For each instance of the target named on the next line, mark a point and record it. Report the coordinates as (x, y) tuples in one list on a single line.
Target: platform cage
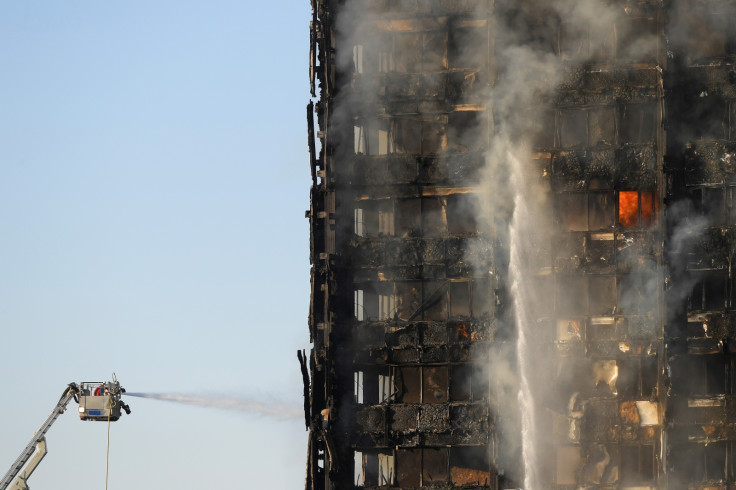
[(99, 400)]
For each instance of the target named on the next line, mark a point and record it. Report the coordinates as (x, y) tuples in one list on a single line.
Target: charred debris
[(411, 305)]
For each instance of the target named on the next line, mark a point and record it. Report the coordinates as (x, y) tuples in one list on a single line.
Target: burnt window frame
[(413, 380), (629, 131), (604, 221), (700, 297), (640, 463), (642, 221), (374, 301), (577, 306), (468, 383), (587, 113), (371, 457)]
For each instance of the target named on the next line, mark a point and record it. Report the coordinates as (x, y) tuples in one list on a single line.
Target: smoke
[(267, 407), (536, 63), (520, 61)]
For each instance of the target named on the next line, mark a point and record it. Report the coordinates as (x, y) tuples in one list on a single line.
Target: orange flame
[(628, 204), (648, 207)]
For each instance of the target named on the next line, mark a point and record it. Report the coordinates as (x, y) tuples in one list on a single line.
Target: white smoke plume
[(267, 406)]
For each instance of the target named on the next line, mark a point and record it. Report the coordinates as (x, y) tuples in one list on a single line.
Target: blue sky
[(153, 182)]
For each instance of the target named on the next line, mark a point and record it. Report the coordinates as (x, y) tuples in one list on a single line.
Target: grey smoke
[(268, 406)]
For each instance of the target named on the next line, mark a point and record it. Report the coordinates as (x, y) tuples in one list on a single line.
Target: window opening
[(358, 58), (636, 208), (358, 386), (359, 305), (359, 223)]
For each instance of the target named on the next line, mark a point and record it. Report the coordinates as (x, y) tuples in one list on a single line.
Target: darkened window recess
[(408, 298), (601, 126), (442, 300), (637, 39), (572, 295), (710, 293), (710, 202), (416, 53), (546, 301), (461, 210), (637, 377), (409, 384), (459, 299), (374, 301), (358, 58), (636, 464), (732, 119), (434, 465), (359, 387), (586, 211), (408, 217), (537, 27), (458, 54), (586, 295), (467, 131), (567, 462), (420, 136), (602, 41), (374, 467), (434, 52), (374, 218), (408, 137), (408, 467), (375, 57), (635, 298), (574, 44), (573, 128), (419, 384), (434, 218), (596, 41), (636, 208), (709, 118), (699, 375), (481, 302), (373, 385), (708, 33), (468, 383), (695, 462), (543, 129), (638, 123), (408, 52), (435, 301), (373, 137), (435, 384), (587, 127), (602, 295), (470, 465)]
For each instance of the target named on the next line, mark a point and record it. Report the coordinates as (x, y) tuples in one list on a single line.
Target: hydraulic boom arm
[(71, 392)]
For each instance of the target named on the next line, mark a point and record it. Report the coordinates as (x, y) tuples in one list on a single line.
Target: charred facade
[(522, 222)]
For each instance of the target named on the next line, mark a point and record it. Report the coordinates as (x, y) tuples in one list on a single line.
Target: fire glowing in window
[(636, 208)]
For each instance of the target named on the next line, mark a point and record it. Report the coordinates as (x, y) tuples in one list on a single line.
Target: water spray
[(268, 407)]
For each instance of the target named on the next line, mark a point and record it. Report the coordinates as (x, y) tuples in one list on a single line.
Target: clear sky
[(154, 178)]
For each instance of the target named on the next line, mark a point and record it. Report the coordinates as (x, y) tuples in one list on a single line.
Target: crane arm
[(70, 393), (20, 482)]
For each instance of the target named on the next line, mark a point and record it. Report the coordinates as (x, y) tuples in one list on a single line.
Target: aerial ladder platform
[(97, 401)]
